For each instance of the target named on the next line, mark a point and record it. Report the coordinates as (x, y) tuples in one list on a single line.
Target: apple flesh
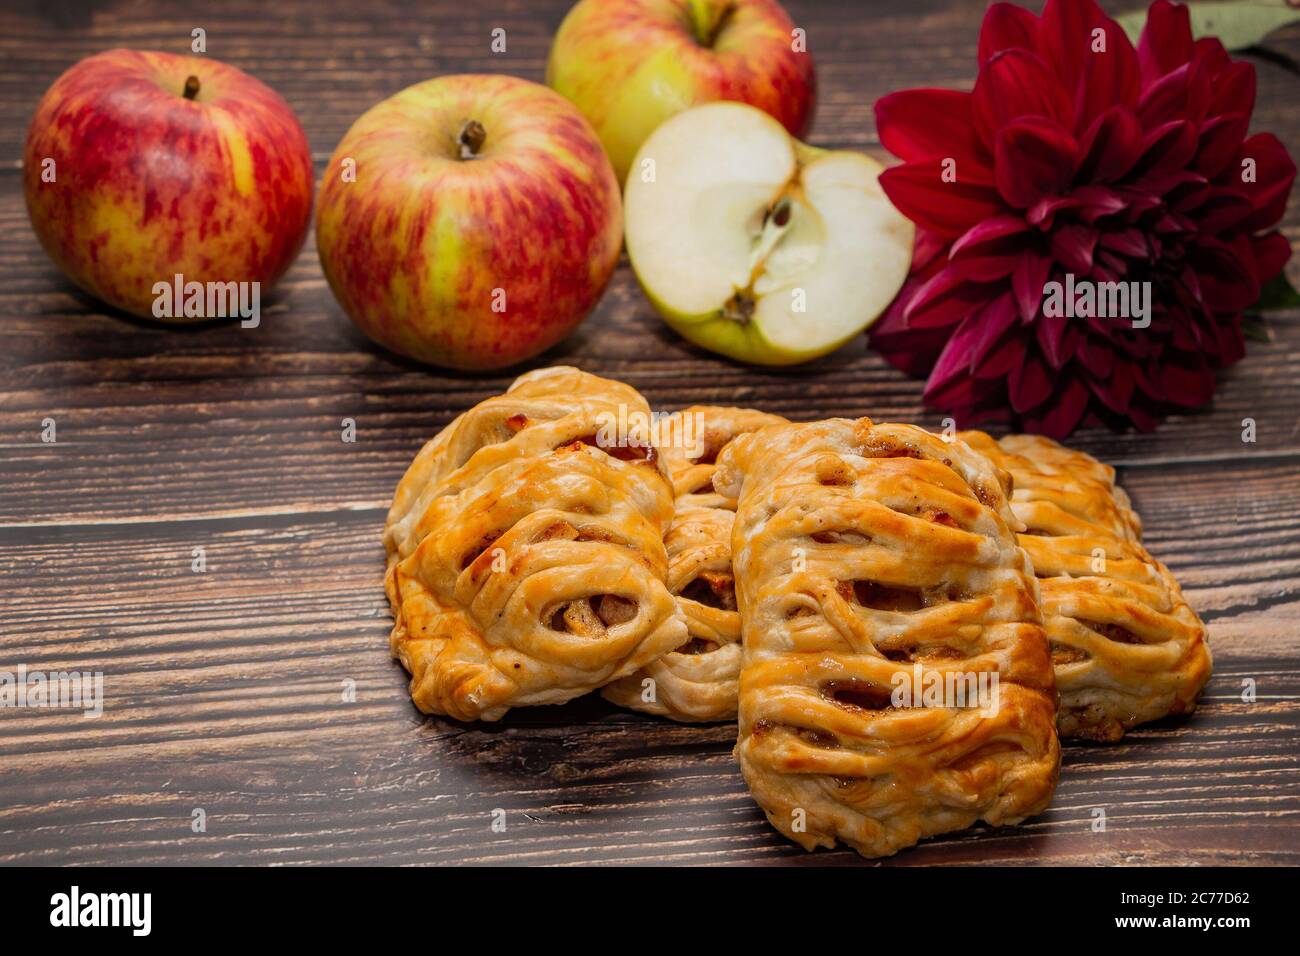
[(754, 245), (469, 221), (631, 64), (140, 166)]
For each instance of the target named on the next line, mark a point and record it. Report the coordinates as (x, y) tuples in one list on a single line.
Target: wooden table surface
[(225, 688)]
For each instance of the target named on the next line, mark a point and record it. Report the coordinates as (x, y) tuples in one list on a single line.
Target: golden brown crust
[(866, 554), (1126, 646), (697, 682), (526, 562)]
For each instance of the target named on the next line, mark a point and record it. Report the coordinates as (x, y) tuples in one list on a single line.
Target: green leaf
[(1236, 24), (1277, 293), (1256, 329)]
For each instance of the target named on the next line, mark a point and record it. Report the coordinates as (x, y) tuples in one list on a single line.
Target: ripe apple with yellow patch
[(469, 221), (757, 246), (142, 166), (631, 64)]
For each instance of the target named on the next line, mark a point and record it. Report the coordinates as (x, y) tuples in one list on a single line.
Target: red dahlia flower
[(1076, 155)]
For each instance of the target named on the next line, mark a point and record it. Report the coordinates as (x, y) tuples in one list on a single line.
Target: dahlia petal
[(1027, 283), (1072, 246), (914, 363), (1183, 94), (1274, 173), (1175, 187), (1096, 355), (1220, 140), (1232, 343), (1028, 384), (959, 355), (1227, 283), (1189, 385), (1233, 88), (1191, 194), (992, 323), (1110, 147), (976, 240), (944, 301), (1211, 52), (1191, 288), (1006, 26), (1166, 41), (1110, 78), (1114, 389), (906, 349), (1168, 146), (963, 399), (1065, 35), (924, 123), (918, 191), (1043, 213), (1096, 202), (1138, 203), (892, 327), (1016, 83), (1050, 332), (929, 249), (1127, 242), (1034, 160), (1098, 79), (1062, 415), (1185, 333), (1271, 254), (991, 250), (1107, 267), (1223, 213), (953, 362), (1004, 355), (1142, 420)]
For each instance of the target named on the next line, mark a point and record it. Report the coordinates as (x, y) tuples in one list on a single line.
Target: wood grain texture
[(225, 688)]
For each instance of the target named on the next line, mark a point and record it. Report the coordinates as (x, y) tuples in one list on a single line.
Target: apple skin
[(416, 247), (631, 64), (149, 184)]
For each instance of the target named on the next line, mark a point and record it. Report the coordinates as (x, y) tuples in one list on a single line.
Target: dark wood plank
[(225, 688)]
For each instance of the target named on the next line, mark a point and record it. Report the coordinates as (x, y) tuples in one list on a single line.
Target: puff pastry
[(865, 555), (526, 562), (1126, 646), (697, 682)]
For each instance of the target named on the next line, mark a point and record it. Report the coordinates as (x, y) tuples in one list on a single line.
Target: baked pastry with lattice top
[(873, 562), (526, 562), (697, 681), (1126, 646)]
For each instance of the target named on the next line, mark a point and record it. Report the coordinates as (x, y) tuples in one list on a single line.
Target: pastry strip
[(1126, 646), (866, 555), (526, 562), (697, 681)]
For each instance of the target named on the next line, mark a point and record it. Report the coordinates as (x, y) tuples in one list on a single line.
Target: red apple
[(143, 166), (469, 221), (631, 64)]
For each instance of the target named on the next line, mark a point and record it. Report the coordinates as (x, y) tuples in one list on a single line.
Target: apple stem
[(708, 18), (471, 138), (191, 87)]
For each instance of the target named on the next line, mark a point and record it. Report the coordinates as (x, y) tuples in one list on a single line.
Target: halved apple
[(754, 245)]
